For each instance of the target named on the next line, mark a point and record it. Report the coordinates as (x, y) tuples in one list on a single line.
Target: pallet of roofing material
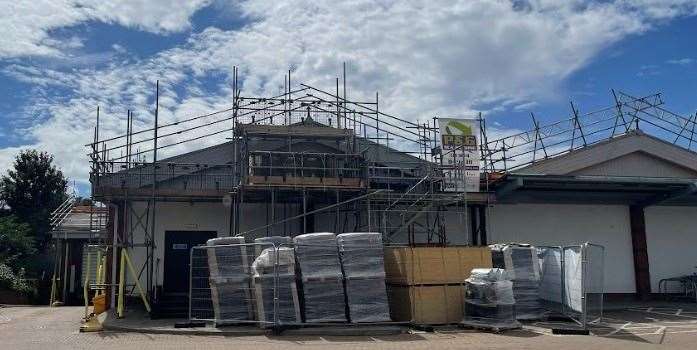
[(488, 301), (362, 262), (322, 280), (262, 243), (523, 266), (230, 280), (275, 289)]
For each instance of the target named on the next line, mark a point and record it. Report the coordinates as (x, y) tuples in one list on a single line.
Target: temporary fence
[(337, 280), (572, 281), (351, 279)]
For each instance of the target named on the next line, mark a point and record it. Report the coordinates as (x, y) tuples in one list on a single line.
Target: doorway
[(178, 246)]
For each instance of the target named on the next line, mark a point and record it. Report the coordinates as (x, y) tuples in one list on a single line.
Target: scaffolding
[(366, 170)]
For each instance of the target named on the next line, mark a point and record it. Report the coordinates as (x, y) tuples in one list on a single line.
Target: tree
[(16, 249), (32, 189), (16, 243)]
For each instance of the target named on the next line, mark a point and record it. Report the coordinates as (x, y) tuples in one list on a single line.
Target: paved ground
[(664, 327)]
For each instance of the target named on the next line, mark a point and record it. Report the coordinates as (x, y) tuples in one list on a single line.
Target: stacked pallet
[(362, 261), (321, 276), (523, 266), (489, 301), (425, 284), (230, 280), (275, 289)]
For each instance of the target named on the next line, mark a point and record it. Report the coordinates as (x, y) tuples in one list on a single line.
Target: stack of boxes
[(425, 284), (523, 266), (275, 288), (230, 279), (321, 277), (364, 276)]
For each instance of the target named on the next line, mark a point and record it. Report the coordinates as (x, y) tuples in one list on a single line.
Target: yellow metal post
[(85, 291), (135, 277), (122, 283), (98, 277)]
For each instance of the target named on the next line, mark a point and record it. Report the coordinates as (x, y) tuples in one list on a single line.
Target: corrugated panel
[(93, 262)]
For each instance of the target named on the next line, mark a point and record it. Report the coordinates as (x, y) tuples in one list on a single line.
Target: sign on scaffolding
[(460, 155)]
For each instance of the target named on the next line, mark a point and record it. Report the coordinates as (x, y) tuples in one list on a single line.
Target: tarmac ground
[(664, 326)]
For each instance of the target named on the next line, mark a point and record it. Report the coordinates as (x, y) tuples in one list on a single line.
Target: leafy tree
[(32, 189), (16, 248), (16, 243)]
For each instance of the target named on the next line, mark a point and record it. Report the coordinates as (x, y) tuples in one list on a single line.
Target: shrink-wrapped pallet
[(275, 288), (488, 300), (361, 255), (322, 280), (523, 266), (230, 278)]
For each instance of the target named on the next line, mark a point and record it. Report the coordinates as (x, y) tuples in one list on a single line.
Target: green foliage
[(13, 281), (16, 242), (32, 189)]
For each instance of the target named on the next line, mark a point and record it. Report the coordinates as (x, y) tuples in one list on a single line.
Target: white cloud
[(681, 61), (425, 57), (27, 24)]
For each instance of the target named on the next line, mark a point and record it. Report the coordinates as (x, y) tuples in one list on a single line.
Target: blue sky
[(60, 59)]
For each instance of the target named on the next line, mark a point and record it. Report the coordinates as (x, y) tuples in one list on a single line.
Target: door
[(178, 245)]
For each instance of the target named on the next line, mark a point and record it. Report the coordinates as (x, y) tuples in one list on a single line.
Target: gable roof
[(633, 154)]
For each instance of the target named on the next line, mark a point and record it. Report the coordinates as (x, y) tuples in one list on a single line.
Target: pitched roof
[(633, 154)]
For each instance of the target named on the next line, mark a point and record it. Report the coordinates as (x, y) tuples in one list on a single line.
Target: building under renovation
[(310, 160)]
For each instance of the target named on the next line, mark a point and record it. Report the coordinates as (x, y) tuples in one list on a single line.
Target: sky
[(60, 59)]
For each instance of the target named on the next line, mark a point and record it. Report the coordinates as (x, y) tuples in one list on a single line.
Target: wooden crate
[(409, 266), (426, 305)]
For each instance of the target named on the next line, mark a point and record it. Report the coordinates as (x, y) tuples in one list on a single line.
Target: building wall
[(181, 216), (547, 224), (671, 237)]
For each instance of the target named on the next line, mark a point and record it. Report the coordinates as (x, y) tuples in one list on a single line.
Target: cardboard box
[(426, 304), (409, 266)]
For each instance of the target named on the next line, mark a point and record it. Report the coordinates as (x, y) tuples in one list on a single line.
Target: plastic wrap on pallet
[(274, 279), (362, 254), (262, 243), (489, 301), (367, 300), (523, 267), (270, 259), (282, 288), (230, 278), (362, 261), (550, 274), (324, 300), (317, 255), (229, 259), (322, 280)]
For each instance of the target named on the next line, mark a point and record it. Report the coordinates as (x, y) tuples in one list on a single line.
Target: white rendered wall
[(548, 224), (198, 216), (671, 239)]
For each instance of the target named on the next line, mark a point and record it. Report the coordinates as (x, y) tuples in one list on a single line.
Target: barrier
[(312, 281), (572, 281)]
